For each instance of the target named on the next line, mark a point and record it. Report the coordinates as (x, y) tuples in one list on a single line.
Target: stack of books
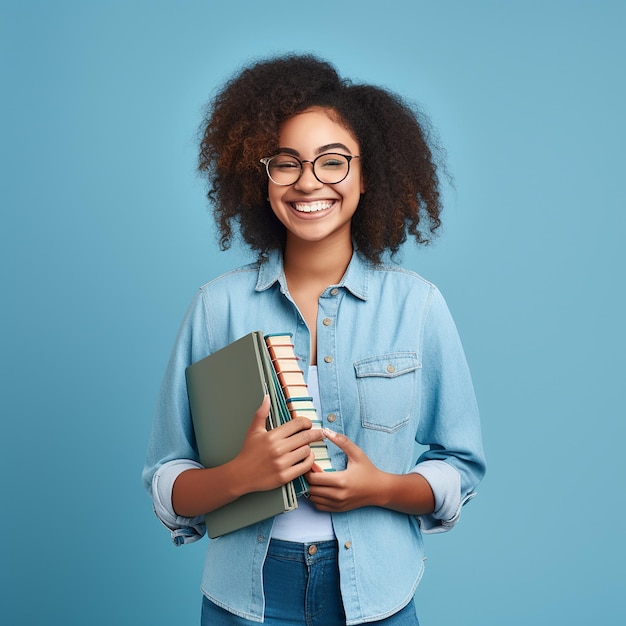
[(225, 389)]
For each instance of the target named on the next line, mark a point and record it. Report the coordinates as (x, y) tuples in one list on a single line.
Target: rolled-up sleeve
[(445, 483), (182, 529)]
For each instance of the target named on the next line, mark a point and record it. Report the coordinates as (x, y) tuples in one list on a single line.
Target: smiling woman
[(315, 206), (398, 157), (323, 178)]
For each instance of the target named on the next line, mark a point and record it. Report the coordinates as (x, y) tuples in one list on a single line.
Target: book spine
[(296, 393)]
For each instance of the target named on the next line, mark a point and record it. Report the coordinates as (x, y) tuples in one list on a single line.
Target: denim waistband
[(303, 552)]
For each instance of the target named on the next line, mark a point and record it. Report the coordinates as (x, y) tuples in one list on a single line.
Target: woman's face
[(309, 209)]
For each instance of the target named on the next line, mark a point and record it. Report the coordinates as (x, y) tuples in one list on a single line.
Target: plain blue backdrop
[(106, 234)]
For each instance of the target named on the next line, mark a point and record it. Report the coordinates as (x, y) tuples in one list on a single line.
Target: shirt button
[(347, 545), (327, 321), (328, 359), (334, 291), (332, 417), (391, 369), (312, 550)]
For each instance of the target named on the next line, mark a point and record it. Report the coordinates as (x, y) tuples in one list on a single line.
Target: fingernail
[(328, 433)]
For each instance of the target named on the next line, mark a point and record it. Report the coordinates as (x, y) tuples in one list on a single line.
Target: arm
[(181, 490), (449, 422)]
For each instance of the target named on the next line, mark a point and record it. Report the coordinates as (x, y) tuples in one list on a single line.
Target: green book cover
[(225, 389)]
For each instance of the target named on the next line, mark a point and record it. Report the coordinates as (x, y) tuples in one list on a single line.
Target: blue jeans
[(303, 589)]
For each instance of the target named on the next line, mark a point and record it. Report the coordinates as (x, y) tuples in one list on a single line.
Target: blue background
[(106, 234)]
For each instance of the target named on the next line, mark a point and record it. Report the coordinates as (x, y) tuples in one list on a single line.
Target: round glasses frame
[(348, 157)]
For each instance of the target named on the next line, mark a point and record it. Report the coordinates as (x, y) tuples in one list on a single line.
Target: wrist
[(234, 478), (406, 493), (383, 492)]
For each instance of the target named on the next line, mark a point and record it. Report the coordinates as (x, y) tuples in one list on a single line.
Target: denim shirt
[(391, 372)]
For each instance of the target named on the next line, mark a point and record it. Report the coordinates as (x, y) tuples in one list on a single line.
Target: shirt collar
[(355, 279)]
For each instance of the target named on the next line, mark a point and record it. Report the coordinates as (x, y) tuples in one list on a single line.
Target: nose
[(307, 181)]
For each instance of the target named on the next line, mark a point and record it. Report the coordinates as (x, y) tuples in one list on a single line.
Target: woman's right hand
[(269, 459)]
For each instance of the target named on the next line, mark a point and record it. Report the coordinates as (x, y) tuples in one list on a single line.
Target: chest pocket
[(387, 386)]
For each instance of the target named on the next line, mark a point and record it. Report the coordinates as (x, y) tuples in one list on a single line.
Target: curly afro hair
[(242, 125)]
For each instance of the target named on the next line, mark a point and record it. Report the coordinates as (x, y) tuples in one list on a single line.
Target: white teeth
[(312, 207)]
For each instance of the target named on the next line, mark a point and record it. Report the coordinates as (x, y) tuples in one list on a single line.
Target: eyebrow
[(320, 150)]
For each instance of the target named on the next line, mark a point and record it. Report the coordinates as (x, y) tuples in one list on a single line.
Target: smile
[(312, 207)]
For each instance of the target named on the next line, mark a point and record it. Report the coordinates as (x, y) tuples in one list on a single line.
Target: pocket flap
[(387, 365)]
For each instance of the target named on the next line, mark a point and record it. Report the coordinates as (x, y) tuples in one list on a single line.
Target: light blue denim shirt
[(391, 372)]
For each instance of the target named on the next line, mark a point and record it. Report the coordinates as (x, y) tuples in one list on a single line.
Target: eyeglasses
[(330, 168)]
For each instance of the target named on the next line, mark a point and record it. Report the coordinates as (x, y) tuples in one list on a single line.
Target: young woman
[(324, 179)]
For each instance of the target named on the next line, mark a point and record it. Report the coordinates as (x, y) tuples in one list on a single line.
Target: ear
[(362, 184)]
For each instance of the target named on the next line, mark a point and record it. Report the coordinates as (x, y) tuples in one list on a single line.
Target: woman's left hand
[(360, 484)]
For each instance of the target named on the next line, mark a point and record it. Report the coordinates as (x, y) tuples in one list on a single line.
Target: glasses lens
[(284, 169), (331, 168)]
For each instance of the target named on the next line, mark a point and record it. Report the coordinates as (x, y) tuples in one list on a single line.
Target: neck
[(321, 262)]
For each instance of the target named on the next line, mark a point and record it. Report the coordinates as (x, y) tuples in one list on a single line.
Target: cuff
[(445, 481), (182, 529)]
